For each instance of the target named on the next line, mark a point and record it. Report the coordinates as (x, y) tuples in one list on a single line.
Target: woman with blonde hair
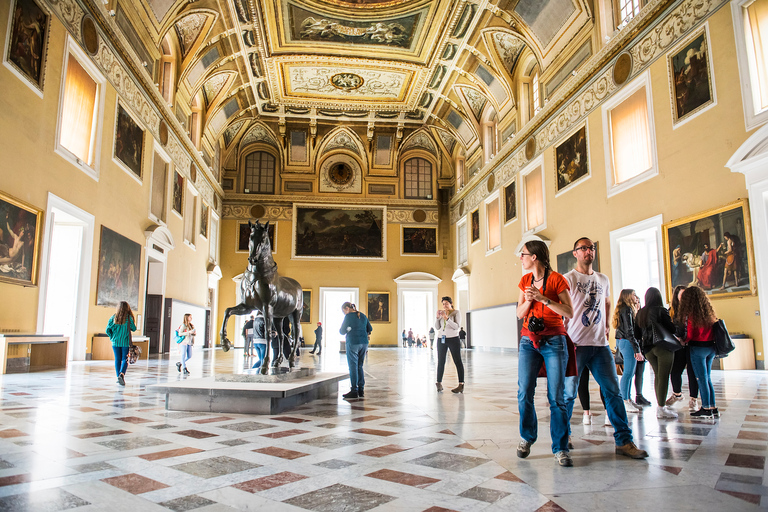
[(699, 316), (626, 342), (185, 338), (119, 330)]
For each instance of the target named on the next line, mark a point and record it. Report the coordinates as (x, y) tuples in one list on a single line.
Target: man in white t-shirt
[(590, 293)]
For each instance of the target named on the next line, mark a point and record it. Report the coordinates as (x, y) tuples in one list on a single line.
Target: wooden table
[(743, 356), (101, 347), (22, 353)]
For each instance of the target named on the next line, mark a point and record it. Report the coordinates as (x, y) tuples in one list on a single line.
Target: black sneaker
[(178, 367), (640, 400), (121, 379), (351, 394), (360, 393), (715, 413), (523, 449), (186, 372), (703, 413)]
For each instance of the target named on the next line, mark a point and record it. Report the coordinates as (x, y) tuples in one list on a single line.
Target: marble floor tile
[(383, 451), (449, 461), (134, 484), (195, 434), (187, 503), (399, 477), (169, 453), (335, 464), (268, 482), (132, 443), (484, 494), (331, 442), (281, 452), (340, 497), (285, 433), (246, 426), (746, 461), (41, 500), (215, 466)]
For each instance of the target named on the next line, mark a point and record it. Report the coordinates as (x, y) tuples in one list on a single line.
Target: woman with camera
[(447, 323), (542, 303)]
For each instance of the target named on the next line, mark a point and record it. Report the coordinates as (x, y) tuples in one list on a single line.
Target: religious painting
[(26, 44), (419, 240), (510, 202), (712, 250), (178, 193), (20, 235), (475, 225), (571, 159), (346, 232), (129, 141), (567, 261), (204, 220), (306, 309), (378, 307), (244, 235), (690, 74), (119, 267)]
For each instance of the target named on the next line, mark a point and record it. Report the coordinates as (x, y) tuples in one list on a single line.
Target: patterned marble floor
[(75, 440)]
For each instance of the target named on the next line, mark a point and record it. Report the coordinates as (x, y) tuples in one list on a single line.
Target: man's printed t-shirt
[(588, 295)]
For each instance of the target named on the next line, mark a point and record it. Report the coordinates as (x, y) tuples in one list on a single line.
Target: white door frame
[(328, 329), (78, 344), (654, 222), (418, 282)]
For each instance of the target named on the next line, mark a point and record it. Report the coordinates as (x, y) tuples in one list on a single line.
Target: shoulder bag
[(134, 352), (723, 343), (663, 338)]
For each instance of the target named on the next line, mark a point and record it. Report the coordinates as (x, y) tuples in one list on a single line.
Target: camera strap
[(543, 289)]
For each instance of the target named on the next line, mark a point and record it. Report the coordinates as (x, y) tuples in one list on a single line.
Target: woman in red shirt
[(699, 316), (542, 303)]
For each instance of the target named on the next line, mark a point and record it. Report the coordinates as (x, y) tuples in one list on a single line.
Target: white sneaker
[(665, 413), (631, 406), (607, 420), (586, 419), (693, 404), (673, 399)]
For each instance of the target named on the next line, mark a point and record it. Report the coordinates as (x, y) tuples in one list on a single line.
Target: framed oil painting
[(419, 240), (378, 307), (567, 261), (571, 159), (712, 250), (129, 142), (510, 202), (346, 232), (475, 225), (119, 267), (178, 193), (690, 77), (26, 42), (306, 309), (244, 234), (20, 226), (203, 219)]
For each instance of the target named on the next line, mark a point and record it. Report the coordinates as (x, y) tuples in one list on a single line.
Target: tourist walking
[(431, 337), (185, 338), (447, 324), (357, 329), (119, 330), (318, 339), (259, 336)]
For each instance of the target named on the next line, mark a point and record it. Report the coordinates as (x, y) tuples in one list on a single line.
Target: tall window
[(159, 187), (460, 179), (757, 46), (626, 10), (259, 173), (418, 178), (213, 245), (493, 219), (535, 100), (534, 200), (190, 217), (461, 241), (167, 75), (750, 26)]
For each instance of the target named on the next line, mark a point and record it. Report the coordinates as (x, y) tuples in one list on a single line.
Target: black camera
[(535, 324)]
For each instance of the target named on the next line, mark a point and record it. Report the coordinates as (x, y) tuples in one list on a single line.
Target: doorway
[(153, 304), (636, 257), (331, 315), (417, 312)]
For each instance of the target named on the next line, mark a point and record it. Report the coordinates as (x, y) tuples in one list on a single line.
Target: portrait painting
[(378, 307), (129, 141), (712, 250), (475, 225), (26, 44), (571, 159), (420, 240), (204, 219), (20, 225), (178, 193), (349, 232), (510, 202), (119, 267), (244, 234), (690, 74), (567, 261), (306, 309)]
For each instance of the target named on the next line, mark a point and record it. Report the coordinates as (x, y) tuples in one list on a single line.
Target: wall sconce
[(429, 196)]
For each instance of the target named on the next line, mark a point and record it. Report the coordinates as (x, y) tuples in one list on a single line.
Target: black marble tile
[(340, 497), (335, 464), (48, 500), (246, 426), (483, 494), (449, 461)]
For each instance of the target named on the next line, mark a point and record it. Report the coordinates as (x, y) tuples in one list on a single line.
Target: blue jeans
[(600, 362), (261, 350), (186, 354), (630, 363), (355, 360), (121, 359), (554, 355), (701, 359)]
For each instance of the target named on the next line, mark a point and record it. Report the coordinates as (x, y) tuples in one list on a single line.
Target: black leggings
[(584, 390), (639, 370), (442, 350), (683, 360)]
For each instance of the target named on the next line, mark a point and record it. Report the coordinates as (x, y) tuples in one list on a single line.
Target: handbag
[(665, 339), (177, 337), (618, 357), (723, 343), (133, 350)]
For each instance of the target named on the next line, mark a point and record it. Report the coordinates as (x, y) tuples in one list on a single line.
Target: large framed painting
[(378, 307), (510, 202), (119, 267), (19, 241), (571, 160), (336, 231), (475, 225), (178, 192), (419, 240), (690, 77), (712, 250), (244, 235), (129, 142), (567, 261), (27, 40), (204, 219), (306, 309)]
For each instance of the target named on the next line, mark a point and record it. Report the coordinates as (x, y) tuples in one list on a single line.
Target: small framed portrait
[(571, 160), (690, 77), (20, 234), (510, 202), (244, 235), (378, 307), (475, 225), (567, 261), (129, 142), (27, 41), (204, 219), (119, 268), (306, 309), (419, 240), (178, 193)]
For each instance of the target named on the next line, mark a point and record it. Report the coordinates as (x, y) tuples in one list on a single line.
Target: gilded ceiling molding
[(259, 133), (213, 86), (475, 99), (243, 211), (449, 142), (189, 29), (419, 140), (508, 48)]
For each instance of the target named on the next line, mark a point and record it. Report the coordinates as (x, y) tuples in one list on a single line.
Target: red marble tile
[(196, 434), (550, 506), (374, 432), (102, 434), (134, 419), (15, 479), (363, 408), (757, 419), (439, 509), (268, 482), (756, 436), (383, 451), (72, 454), (87, 409), (594, 442), (403, 478), (746, 461), (465, 445), (169, 453), (290, 419), (671, 469), (446, 431), (679, 440), (134, 484), (211, 420), (280, 452), (19, 393), (284, 433), (369, 417), (509, 476), (11, 432), (750, 498)]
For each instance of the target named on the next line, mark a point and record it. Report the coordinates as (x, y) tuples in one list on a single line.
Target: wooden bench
[(22, 353), (101, 347)]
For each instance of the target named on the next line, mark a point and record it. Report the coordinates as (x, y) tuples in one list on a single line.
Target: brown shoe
[(458, 389), (439, 387), (631, 451)]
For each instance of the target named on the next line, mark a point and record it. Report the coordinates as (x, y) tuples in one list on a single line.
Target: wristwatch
[(547, 302)]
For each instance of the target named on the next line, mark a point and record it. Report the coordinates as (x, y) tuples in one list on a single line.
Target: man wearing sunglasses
[(590, 293)]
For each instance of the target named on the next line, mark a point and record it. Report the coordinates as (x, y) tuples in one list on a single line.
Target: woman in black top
[(682, 358), (626, 342)]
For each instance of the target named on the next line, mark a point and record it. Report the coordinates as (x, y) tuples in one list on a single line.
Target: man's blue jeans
[(630, 365), (261, 351), (355, 360), (553, 353), (600, 362), (701, 360)]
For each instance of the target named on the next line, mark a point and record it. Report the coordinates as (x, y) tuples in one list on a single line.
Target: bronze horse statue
[(262, 288)]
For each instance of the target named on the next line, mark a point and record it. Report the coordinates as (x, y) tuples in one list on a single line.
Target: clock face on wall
[(340, 174)]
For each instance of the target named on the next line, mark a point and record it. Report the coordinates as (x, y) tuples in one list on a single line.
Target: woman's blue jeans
[(630, 364), (186, 354), (121, 359), (355, 360), (553, 353), (701, 359)]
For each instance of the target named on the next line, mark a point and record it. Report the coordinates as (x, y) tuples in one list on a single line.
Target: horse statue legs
[(295, 319), (240, 309)]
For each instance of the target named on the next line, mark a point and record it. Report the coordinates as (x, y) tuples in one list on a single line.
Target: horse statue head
[(258, 241)]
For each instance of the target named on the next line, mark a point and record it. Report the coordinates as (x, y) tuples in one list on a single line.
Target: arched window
[(418, 179), (195, 121), (167, 71), (259, 173)]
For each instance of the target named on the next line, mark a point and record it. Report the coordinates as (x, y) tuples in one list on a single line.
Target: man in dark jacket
[(248, 337), (318, 339)]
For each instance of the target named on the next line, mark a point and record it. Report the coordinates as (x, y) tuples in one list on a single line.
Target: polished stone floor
[(75, 440)]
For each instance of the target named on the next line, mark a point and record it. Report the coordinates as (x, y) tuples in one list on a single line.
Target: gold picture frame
[(20, 236), (378, 307)]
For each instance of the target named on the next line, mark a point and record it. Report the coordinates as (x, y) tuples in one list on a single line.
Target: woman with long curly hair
[(118, 329), (682, 359), (626, 342), (698, 316)]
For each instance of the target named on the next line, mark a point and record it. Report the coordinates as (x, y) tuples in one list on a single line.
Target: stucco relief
[(342, 140), (509, 48), (419, 140), (71, 13), (446, 138), (341, 173), (317, 81), (258, 133), (213, 85), (243, 211), (402, 216), (475, 100), (188, 29), (231, 131)]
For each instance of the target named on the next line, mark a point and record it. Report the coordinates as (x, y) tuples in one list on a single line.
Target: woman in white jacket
[(447, 325)]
